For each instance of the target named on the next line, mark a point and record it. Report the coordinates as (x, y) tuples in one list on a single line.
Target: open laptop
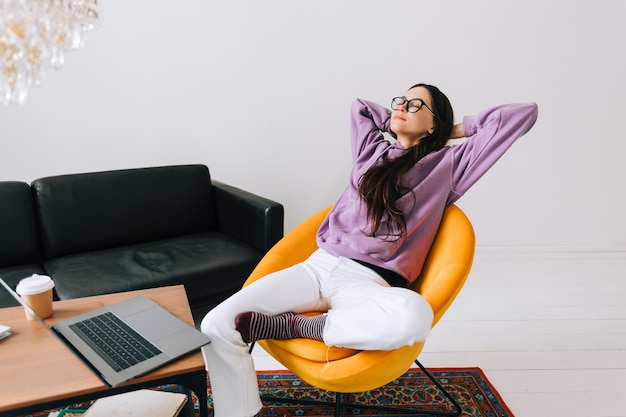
[(124, 340)]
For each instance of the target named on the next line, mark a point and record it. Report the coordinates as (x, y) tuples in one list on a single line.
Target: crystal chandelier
[(34, 35)]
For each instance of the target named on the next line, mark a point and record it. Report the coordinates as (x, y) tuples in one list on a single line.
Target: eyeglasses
[(412, 106)]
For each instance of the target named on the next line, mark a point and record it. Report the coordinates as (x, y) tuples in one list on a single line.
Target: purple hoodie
[(436, 181)]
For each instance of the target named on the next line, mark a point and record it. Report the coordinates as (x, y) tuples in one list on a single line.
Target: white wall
[(260, 92)]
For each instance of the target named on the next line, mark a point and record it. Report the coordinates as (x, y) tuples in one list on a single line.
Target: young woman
[(372, 245)]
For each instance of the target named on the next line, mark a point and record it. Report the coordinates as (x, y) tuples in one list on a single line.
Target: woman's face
[(411, 127)]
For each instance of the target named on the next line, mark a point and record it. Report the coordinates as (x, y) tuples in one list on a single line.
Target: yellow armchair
[(347, 370)]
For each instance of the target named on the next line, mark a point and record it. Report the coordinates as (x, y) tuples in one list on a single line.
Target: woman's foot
[(255, 326)]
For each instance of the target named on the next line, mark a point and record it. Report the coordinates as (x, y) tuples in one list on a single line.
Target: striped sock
[(310, 327), (255, 326)]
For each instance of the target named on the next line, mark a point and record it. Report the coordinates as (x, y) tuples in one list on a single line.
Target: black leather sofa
[(105, 232)]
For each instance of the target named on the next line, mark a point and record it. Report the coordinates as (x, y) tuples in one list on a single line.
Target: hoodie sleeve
[(489, 134), (368, 122)]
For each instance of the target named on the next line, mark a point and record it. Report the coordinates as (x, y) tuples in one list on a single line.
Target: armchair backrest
[(448, 262), (296, 246), (445, 270)]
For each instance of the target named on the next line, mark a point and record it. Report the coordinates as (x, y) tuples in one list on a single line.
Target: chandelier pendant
[(34, 36)]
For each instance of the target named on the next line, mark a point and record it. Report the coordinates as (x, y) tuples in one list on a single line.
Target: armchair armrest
[(248, 217)]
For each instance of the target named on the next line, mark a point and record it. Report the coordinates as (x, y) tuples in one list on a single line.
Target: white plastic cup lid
[(34, 285)]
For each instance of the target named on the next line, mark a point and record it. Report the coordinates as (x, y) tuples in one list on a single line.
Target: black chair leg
[(454, 402), (339, 411), (341, 405), (416, 411)]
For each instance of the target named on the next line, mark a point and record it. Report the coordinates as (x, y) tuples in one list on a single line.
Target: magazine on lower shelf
[(141, 403)]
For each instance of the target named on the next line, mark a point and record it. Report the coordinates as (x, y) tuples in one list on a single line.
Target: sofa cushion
[(204, 262), (93, 211), (19, 230)]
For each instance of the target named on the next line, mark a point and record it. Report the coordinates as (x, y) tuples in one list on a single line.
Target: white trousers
[(364, 313)]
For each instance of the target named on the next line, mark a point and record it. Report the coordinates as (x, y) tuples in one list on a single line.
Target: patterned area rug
[(468, 386)]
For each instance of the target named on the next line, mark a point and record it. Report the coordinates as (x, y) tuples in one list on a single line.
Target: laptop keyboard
[(115, 341)]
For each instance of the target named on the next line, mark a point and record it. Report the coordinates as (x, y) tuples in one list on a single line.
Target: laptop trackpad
[(155, 323)]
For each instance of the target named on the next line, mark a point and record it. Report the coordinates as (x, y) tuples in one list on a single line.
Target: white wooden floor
[(547, 328)]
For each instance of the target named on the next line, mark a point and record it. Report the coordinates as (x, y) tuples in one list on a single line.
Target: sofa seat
[(205, 262)]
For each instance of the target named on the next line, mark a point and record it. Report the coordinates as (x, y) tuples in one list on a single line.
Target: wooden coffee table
[(39, 372)]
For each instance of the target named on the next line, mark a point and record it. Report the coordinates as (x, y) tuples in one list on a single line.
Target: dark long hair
[(380, 185)]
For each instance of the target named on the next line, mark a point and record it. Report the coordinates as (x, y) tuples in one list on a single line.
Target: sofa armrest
[(248, 217)]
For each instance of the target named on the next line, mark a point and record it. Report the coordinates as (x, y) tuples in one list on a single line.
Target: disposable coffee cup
[(36, 291)]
